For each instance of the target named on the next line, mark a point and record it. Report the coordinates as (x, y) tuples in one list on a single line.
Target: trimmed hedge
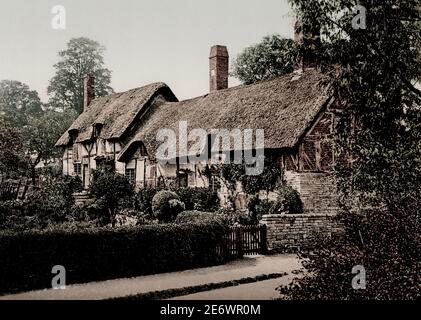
[(99, 254), (166, 205), (199, 217)]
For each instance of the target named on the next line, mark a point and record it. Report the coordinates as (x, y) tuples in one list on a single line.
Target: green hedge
[(99, 254), (199, 217)]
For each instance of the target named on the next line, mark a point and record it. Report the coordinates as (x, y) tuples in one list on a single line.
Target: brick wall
[(317, 191), (287, 233)]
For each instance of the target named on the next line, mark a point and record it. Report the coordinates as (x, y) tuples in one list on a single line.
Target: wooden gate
[(247, 240)]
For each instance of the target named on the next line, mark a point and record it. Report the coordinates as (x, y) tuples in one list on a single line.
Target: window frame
[(130, 174), (77, 168)]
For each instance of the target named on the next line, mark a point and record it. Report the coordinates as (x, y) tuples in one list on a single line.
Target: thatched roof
[(284, 107), (114, 113)]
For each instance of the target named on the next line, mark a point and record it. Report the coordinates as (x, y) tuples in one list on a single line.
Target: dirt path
[(262, 290), (247, 267)]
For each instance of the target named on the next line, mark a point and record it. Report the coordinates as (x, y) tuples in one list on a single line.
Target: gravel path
[(247, 267)]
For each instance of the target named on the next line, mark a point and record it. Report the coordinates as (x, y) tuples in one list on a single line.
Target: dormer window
[(73, 133), (97, 127)]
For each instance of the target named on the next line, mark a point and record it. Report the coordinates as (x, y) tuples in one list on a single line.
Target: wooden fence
[(13, 190)]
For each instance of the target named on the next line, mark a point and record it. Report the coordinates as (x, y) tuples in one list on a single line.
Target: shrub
[(289, 199), (13, 218), (234, 217), (200, 217), (53, 202), (111, 188), (386, 243), (106, 253), (163, 206), (257, 207), (201, 199), (142, 200)]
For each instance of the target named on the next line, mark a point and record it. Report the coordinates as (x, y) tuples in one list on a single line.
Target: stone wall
[(289, 232), (317, 191)]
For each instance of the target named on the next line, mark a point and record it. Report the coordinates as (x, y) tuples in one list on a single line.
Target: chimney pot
[(88, 91), (218, 68), (309, 37)]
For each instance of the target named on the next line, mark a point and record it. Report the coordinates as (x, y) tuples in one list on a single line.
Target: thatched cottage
[(295, 112)]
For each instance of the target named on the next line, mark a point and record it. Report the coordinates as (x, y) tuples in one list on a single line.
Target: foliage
[(235, 217), (272, 57), (18, 103), (37, 130), (11, 156), (54, 201), (81, 57), (110, 188), (143, 200), (258, 207), (201, 199), (373, 71), (252, 184), (290, 199), (195, 216), (53, 204), (166, 205), (392, 262), (40, 136), (92, 254)]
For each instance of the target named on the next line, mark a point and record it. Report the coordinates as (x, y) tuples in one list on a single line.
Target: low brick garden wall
[(290, 232)]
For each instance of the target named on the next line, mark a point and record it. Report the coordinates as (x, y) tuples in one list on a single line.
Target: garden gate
[(247, 240)]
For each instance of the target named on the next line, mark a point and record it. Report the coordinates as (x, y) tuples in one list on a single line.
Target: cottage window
[(77, 169), (75, 152), (183, 179), (131, 175)]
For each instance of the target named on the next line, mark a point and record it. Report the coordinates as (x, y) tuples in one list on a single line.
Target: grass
[(171, 293)]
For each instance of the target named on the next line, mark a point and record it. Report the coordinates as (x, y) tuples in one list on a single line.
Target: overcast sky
[(146, 41)]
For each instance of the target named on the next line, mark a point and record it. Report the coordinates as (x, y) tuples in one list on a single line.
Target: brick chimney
[(309, 38), (218, 68), (88, 91)]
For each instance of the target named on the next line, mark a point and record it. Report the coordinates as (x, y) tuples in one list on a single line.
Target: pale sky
[(146, 41)]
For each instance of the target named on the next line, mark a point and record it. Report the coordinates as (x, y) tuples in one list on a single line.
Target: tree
[(82, 56), (18, 103), (40, 136), (11, 155), (110, 188), (272, 57), (37, 128), (373, 70)]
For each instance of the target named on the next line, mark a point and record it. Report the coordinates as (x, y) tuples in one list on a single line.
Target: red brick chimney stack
[(218, 68), (88, 91), (309, 36)]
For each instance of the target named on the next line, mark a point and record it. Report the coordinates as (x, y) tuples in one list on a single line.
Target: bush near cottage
[(142, 200), (375, 71), (53, 202), (195, 216), (50, 205), (290, 199), (386, 243), (236, 217), (110, 189), (200, 199), (166, 205), (94, 254)]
